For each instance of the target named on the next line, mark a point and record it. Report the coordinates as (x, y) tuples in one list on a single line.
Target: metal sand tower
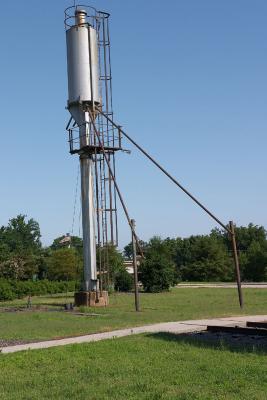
[(95, 137)]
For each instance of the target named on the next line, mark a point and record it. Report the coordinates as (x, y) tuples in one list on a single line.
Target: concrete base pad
[(91, 299)]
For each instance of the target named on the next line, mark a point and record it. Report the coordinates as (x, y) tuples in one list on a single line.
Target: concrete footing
[(91, 299)]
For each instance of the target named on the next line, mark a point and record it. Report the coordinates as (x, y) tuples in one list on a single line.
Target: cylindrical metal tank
[(82, 59)]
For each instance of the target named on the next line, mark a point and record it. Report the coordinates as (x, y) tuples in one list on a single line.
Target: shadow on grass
[(217, 341)]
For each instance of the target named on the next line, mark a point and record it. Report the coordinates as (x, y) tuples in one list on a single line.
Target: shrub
[(63, 264), (6, 292), (123, 281), (157, 271), (10, 290)]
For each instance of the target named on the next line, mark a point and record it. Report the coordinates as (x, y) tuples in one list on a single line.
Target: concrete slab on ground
[(223, 285), (172, 327)]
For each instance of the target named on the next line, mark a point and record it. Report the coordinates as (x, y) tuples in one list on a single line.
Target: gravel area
[(13, 342)]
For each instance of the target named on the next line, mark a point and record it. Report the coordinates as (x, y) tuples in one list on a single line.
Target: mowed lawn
[(152, 367), (178, 304)]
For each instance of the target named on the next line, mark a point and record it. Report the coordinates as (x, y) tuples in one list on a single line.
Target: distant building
[(128, 264), (66, 241)]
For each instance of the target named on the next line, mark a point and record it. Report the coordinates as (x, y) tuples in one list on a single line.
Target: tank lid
[(80, 12), (80, 17)]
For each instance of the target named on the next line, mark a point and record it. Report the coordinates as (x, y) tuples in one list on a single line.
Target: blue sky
[(189, 84)]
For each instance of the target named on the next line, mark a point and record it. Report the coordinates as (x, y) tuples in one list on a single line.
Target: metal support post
[(236, 260), (89, 244), (136, 292)]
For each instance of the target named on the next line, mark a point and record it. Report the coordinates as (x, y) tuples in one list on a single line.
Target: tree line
[(22, 256), (203, 258), (167, 261)]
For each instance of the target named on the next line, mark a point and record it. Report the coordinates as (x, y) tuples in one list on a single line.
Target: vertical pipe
[(84, 127), (111, 108), (107, 133), (136, 292), (102, 220), (98, 225), (89, 245), (91, 75), (237, 269), (115, 204), (110, 208)]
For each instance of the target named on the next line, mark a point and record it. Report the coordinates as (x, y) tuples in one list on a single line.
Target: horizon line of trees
[(203, 258), (167, 261)]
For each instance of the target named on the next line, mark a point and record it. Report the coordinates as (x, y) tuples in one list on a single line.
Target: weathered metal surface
[(255, 324), (82, 61), (89, 84), (80, 17), (237, 330), (88, 222), (96, 149)]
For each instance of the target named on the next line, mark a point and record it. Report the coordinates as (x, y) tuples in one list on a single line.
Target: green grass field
[(178, 304), (152, 367)]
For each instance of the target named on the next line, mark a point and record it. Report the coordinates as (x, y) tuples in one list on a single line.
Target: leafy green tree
[(19, 249), (19, 267), (128, 249), (63, 264), (157, 271), (22, 236), (111, 262), (71, 251), (255, 264), (42, 261), (244, 236), (115, 260), (251, 244), (4, 249), (208, 260)]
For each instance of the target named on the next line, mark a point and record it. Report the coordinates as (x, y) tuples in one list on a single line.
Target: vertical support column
[(84, 128), (136, 292), (236, 260), (88, 222)]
